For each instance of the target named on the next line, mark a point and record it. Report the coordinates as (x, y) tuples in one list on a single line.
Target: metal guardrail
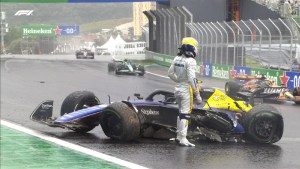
[(273, 43)]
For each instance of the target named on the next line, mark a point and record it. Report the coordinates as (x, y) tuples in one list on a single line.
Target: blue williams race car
[(219, 118)]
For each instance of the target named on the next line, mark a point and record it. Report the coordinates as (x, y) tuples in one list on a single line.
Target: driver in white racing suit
[(183, 72)]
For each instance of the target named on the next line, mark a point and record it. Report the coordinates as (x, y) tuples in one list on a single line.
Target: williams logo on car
[(150, 112), (46, 106), (274, 90)]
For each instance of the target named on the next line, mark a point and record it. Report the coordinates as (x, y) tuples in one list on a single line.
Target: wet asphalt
[(27, 82)]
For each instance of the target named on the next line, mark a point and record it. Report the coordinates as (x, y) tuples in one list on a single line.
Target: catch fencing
[(272, 43)]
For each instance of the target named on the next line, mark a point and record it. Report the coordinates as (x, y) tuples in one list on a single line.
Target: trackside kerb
[(19, 150)]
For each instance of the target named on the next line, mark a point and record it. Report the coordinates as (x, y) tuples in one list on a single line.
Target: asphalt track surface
[(27, 82)]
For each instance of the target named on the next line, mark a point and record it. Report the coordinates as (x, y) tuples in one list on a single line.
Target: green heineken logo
[(273, 75), (220, 71), (38, 30)]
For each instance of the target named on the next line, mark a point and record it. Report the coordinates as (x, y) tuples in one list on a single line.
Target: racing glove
[(198, 98)]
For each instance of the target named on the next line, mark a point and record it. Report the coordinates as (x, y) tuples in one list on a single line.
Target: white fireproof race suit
[(183, 72)]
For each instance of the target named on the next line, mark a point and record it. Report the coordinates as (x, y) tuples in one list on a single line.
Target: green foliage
[(32, 45), (296, 17), (99, 42), (250, 62), (105, 24), (13, 34), (15, 46)]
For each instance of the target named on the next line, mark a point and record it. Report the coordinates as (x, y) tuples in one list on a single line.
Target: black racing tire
[(120, 122), (296, 92), (79, 100), (117, 72), (133, 66), (264, 124), (142, 69), (231, 88), (111, 67)]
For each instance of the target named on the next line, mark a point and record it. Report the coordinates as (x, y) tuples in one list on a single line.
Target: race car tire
[(120, 122), (296, 92), (111, 67), (231, 88), (79, 100), (142, 69), (133, 66), (264, 124), (117, 72)]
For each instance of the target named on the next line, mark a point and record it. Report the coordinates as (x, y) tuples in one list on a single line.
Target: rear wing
[(43, 112)]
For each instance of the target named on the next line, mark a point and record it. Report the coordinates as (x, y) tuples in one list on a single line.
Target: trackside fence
[(280, 77), (274, 43)]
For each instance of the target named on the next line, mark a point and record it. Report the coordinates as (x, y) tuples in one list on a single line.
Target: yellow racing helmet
[(189, 47), (190, 41)]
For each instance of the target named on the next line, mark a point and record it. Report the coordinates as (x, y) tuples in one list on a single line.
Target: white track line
[(157, 75), (289, 139), (73, 146)]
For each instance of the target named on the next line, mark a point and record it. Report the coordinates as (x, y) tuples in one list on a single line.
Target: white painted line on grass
[(73, 146)]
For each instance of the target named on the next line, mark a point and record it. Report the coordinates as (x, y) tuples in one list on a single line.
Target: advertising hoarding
[(38, 30)]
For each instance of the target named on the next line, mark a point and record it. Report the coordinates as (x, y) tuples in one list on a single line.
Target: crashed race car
[(84, 53), (219, 118), (260, 89), (242, 78), (125, 67)]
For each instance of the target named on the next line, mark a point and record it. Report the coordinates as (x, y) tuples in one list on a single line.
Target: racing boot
[(182, 128), (177, 136)]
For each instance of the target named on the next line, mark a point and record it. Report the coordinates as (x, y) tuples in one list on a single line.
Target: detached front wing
[(43, 114)]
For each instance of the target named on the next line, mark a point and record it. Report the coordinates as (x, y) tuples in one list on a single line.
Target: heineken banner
[(275, 75), (38, 30), (165, 60), (221, 71), (162, 59)]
